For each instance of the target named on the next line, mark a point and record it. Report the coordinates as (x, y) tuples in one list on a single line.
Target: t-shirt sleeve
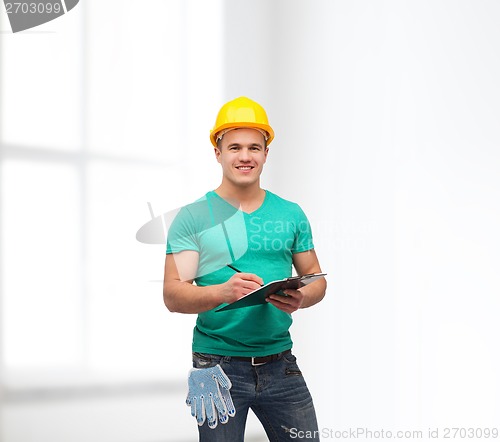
[(303, 235), (182, 233)]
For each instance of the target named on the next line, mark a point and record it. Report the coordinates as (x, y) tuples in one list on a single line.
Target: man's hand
[(239, 285), (290, 303)]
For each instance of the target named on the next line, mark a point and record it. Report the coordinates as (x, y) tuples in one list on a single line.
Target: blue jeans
[(276, 392)]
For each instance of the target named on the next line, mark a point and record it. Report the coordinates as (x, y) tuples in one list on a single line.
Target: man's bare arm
[(181, 296), (307, 296), (305, 263)]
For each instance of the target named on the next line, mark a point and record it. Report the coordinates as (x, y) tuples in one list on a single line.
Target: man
[(245, 350)]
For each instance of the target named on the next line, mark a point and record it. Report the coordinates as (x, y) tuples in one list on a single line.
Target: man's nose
[(244, 154)]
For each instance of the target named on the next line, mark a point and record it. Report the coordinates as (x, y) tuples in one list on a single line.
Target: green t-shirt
[(262, 243)]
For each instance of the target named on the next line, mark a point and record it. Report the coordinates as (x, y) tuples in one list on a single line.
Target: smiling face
[(242, 154)]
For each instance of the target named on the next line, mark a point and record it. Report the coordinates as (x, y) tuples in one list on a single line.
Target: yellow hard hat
[(241, 112)]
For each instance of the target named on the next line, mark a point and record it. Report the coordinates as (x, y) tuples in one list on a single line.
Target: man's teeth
[(244, 167)]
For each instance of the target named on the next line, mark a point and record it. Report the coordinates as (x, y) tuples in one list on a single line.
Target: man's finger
[(252, 277)]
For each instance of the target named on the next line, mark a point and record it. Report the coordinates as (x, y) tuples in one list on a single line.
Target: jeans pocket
[(291, 367), (290, 358), (204, 360)]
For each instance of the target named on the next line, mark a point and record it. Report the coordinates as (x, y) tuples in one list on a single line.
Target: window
[(102, 111)]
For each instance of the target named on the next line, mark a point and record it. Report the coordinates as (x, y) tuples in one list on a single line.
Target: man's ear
[(217, 153)]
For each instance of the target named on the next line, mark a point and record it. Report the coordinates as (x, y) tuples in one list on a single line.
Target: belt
[(261, 360)]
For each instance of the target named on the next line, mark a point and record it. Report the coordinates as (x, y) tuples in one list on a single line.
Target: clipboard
[(259, 296)]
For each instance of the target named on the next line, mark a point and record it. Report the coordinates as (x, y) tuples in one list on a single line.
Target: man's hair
[(219, 140)]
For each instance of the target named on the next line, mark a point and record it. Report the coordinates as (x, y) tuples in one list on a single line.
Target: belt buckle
[(255, 364)]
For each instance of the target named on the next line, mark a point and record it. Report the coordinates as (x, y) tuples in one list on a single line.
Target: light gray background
[(386, 118)]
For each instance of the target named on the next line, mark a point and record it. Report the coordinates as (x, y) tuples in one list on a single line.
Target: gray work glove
[(209, 395)]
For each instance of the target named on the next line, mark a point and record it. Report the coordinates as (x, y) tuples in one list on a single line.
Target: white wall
[(387, 133)]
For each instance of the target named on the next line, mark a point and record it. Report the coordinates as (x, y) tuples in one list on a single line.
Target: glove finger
[(200, 410), (191, 401), (222, 378), (210, 411), (191, 396), (224, 417), (219, 403), (228, 401)]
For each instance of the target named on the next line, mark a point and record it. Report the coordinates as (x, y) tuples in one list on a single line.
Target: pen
[(234, 268), (237, 270)]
